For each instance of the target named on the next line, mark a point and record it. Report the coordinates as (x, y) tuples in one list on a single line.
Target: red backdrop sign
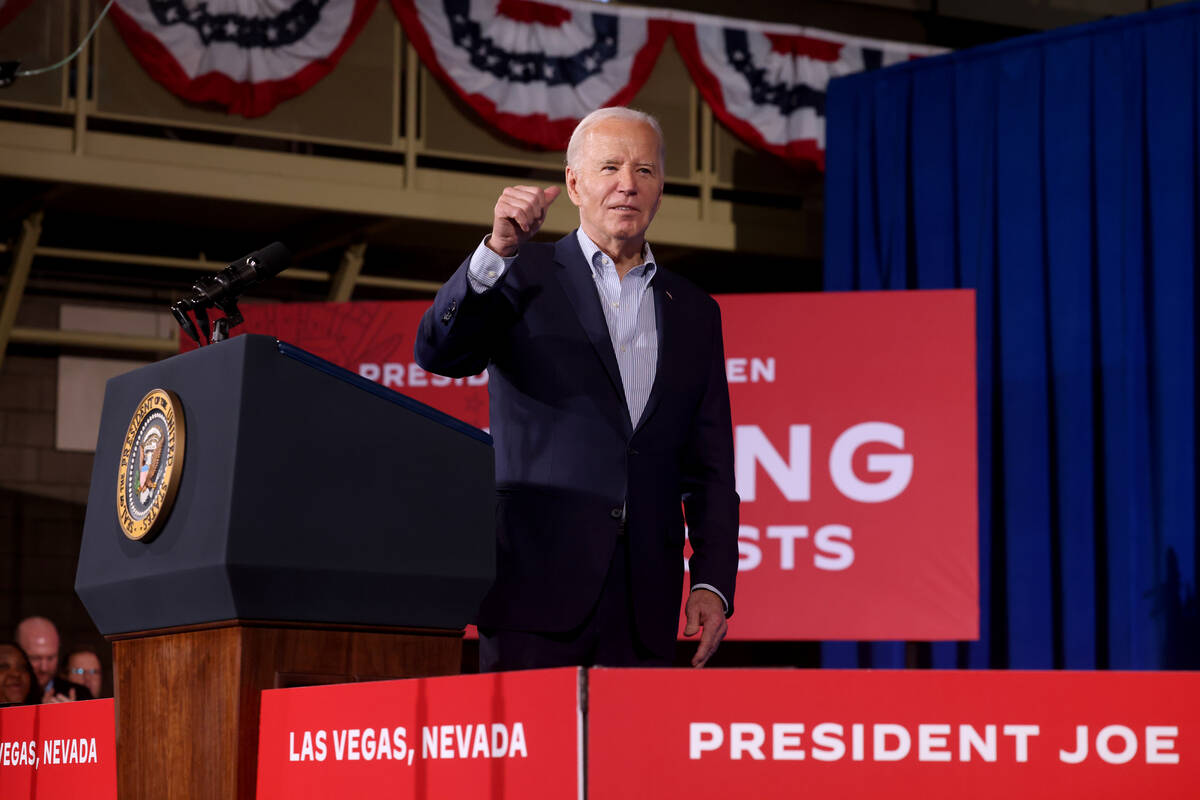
[(855, 432), (59, 751), (516, 734), (898, 734), (854, 440)]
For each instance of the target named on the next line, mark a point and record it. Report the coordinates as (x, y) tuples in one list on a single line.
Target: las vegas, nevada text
[(55, 752), (469, 741)]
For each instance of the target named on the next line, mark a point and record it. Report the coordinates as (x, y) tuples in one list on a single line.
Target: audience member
[(38, 637), (18, 684), (83, 666)]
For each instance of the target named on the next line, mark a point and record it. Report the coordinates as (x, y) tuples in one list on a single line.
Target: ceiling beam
[(198, 264), (18, 275), (100, 341), (347, 273), (443, 196)]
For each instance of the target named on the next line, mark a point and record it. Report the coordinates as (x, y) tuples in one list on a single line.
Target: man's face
[(618, 181), (42, 648), (85, 668)]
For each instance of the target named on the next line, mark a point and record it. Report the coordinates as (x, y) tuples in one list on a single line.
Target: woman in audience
[(17, 683)]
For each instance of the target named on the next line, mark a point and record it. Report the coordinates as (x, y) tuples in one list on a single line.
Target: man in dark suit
[(609, 406), (38, 637)]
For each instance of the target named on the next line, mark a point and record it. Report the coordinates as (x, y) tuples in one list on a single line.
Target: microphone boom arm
[(223, 290)]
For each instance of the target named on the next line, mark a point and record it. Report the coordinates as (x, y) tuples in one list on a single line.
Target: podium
[(324, 529)]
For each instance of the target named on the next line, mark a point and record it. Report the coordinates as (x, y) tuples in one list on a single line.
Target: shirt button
[(615, 513)]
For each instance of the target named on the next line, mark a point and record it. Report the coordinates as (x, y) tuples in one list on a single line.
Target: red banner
[(58, 751), (903, 734), (854, 419), (854, 434), (515, 734)]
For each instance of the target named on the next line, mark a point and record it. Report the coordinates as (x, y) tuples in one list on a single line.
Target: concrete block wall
[(43, 496)]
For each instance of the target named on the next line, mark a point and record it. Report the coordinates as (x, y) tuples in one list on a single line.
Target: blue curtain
[(1058, 176)]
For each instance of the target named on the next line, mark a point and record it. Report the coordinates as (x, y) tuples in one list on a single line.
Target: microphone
[(244, 273), (223, 289)]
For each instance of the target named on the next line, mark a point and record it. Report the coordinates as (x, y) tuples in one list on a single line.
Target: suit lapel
[(663, 315), (576, 278)]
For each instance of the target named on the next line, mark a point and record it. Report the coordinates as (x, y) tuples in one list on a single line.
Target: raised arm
[(458, 330)]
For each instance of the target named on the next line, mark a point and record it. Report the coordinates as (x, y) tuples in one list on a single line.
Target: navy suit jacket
[(568, 459)]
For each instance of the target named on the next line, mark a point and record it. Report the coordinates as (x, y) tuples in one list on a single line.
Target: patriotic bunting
[(767, 85), (533, 70), (10, 8), (246, 55)]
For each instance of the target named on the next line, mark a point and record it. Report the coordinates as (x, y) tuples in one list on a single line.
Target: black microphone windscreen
[(272, 259)]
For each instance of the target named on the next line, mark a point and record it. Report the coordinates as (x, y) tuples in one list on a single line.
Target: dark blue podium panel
[(307, 494)]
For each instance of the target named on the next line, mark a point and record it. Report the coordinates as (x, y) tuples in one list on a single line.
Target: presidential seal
[(151, 463)]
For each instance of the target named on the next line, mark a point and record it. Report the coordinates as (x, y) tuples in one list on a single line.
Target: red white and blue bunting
[(767, 83), (533, 70), (245, 55), (10, 8), (530, 69)]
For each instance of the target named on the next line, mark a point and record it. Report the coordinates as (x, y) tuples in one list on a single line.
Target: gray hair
[(614, 112)]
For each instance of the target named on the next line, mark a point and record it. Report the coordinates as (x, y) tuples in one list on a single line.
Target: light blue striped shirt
[(628, 310)]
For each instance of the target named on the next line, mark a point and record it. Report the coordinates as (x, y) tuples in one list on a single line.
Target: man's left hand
[(705, 610), (51, 696)]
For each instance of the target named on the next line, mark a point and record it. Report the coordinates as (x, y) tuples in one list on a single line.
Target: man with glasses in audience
[(83, 666)]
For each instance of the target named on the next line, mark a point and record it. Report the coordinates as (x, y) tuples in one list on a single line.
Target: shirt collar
[(594, 255)]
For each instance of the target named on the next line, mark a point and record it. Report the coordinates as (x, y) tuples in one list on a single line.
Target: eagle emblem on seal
[(151, 464)]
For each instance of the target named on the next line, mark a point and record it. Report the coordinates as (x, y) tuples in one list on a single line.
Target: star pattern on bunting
[(486, 55), (284, 28)]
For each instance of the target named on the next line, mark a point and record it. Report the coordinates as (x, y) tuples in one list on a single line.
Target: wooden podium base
[(187, 698)]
